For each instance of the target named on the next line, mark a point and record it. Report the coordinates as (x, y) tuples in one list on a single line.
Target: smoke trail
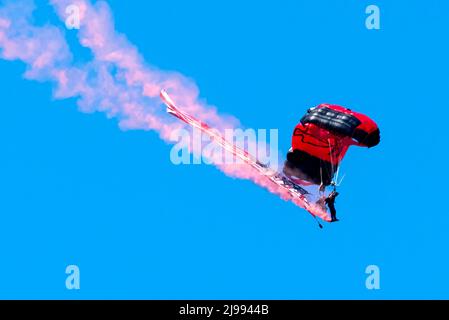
[(117, 81)]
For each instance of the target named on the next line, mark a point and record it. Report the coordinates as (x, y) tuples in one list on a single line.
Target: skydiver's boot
[(334, 218)]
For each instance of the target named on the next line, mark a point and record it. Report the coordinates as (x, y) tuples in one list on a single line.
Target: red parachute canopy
[(323, 136)]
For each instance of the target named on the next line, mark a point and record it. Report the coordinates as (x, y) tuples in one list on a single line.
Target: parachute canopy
[(321, 139)]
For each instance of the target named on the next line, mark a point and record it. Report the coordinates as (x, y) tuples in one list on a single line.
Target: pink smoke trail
[(117, 81)]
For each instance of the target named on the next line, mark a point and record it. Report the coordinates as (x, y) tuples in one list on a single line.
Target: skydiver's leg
[(333, 213)]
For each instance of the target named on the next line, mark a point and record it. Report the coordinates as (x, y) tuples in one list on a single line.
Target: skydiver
[(330, 201)]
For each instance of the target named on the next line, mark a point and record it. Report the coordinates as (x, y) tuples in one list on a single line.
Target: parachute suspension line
[(331, 157), (322, 189), (336, 175), (321, 172), (341, 180), (334, 182)]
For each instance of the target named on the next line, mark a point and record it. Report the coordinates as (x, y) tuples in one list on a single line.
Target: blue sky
[(74, 189)]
